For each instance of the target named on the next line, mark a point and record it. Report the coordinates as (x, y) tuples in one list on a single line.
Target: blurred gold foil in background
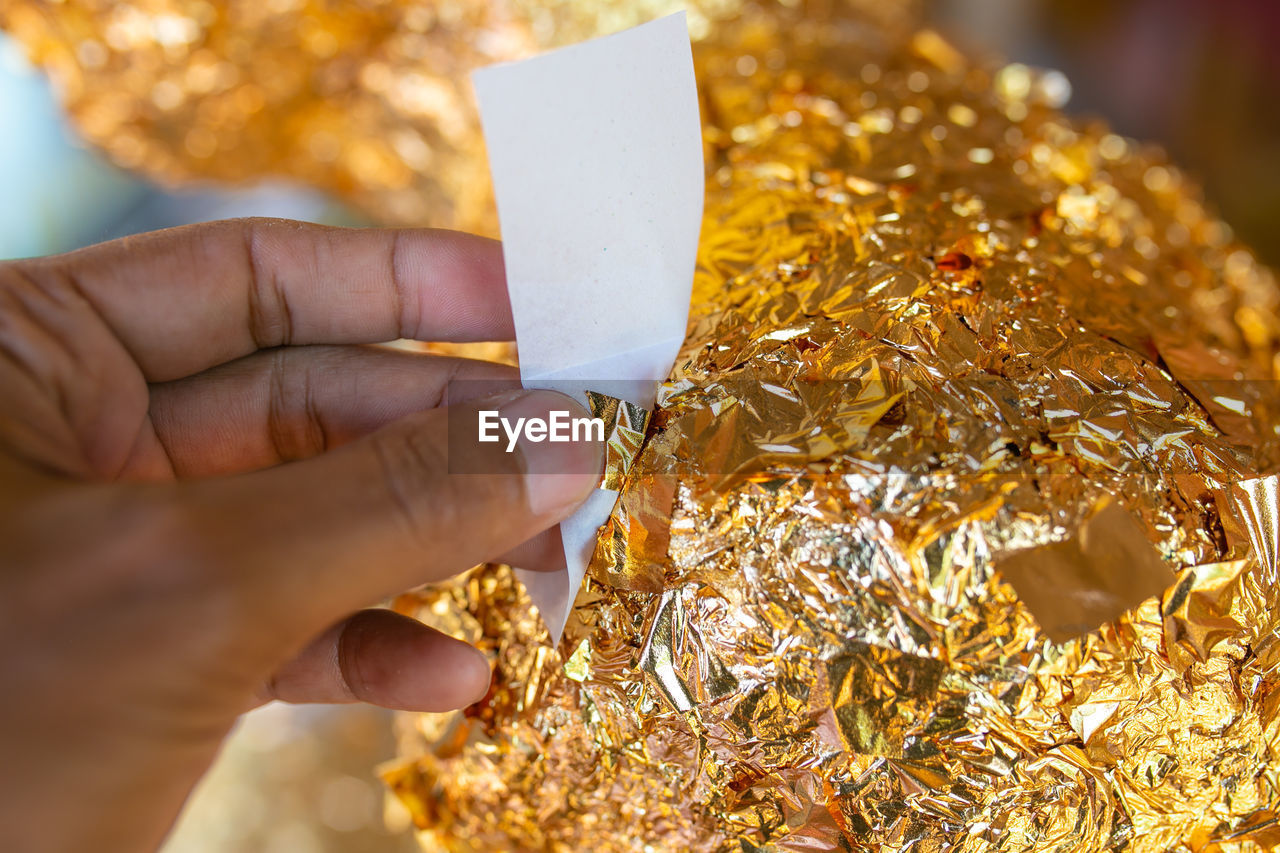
[(944, 342), (371, 101)]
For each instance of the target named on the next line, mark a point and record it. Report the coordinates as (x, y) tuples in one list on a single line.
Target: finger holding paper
[(596, 156)]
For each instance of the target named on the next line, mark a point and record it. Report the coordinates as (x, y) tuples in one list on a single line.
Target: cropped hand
[(206, 473)]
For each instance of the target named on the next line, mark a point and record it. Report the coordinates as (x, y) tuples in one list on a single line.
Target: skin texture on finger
[(386, 659), (189, 298), (292, 403), (385, 513)]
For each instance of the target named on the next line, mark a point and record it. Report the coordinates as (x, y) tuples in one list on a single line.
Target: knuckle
[(408, 310), (294, 423), (270, 314), (414, 473), (355, 678)]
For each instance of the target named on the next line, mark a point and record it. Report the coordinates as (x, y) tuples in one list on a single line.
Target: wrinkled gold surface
[(625, 425), (937, 329)]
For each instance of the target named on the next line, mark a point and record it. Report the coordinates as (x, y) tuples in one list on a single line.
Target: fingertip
[(475, 675), (450, 674), (397, 662), (462, 293), (558, 475)]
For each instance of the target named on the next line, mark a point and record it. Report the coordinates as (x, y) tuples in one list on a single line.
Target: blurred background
[(1201, 77)]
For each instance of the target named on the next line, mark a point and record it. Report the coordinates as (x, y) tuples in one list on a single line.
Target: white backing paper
[(596, 157)]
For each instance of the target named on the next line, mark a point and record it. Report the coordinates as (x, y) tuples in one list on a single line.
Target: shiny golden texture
[(369, 100), (937, 329), (625, 425)]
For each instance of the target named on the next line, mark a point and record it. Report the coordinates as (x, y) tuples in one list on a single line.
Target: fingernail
[(558, 474), (480, 676)]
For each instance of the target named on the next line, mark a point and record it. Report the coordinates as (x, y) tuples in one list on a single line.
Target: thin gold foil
[(624, 426), (939, 332), (1074, 586)]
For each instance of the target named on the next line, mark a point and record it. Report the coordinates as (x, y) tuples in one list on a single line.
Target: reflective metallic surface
[(625, 425), (953, 529)]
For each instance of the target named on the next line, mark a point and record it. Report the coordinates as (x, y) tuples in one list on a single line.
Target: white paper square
[(596, 157)]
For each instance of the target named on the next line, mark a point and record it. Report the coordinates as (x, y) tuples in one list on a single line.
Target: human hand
[(202, 476)]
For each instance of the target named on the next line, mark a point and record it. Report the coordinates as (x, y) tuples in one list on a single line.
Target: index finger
[(185, 299)]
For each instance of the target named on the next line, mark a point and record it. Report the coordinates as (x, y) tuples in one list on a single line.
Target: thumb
[(417, 501)]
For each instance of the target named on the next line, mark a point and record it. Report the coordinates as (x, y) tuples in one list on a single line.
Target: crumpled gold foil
[(942, 339), (625, 425)]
